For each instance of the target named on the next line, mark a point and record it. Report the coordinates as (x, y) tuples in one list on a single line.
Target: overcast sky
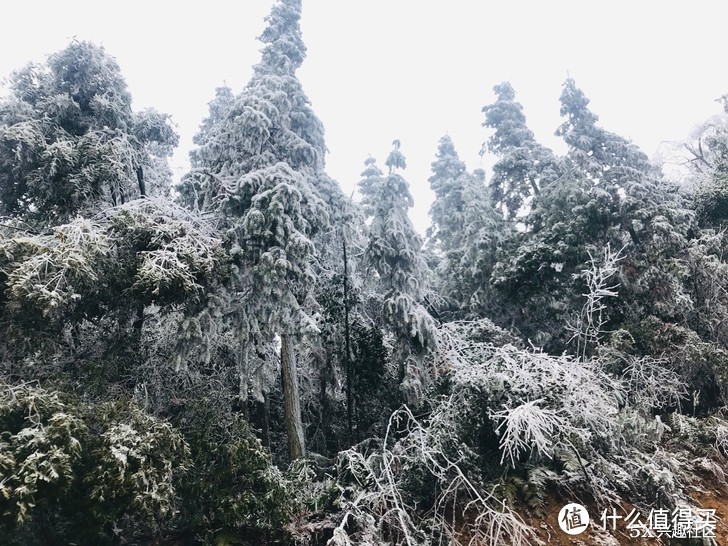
[(408, 69)]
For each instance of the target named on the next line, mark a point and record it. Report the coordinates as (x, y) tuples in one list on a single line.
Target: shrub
[(71, 470)]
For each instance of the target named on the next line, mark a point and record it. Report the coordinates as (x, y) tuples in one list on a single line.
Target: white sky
[(409, 69)]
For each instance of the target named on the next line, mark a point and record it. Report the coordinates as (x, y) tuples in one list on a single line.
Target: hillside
[(250, 356)]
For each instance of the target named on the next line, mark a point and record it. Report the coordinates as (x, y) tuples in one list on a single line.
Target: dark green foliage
[(712, 203), (135, 466), (103, 307), (375, 390), (39, 450), (231, 486), (71, 469), (529, 487), (703, 365), (419, 486)]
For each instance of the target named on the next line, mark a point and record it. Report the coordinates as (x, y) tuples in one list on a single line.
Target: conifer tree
[(616, 170), (394, 253), (607, 195), (260, 165), (523, 165), (448, 183), (465, 233), (70, 142)]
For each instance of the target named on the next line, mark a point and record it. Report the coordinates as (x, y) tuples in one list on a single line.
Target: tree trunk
[(291, 400), (347, 348), (140, 180), (266, 420), (135, 347), (534, 186), (138, 324), (627, 225), (325, 410), (261, 418)]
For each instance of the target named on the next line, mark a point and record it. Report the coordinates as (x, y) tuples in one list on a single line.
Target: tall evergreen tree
[(465, 233), (394, 253), (608, 194), (260, 164), (523, 165), (617, 171), (448, 184)]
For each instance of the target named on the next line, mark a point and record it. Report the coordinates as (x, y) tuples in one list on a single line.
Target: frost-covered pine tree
[(465, 233), (608, 194), (607, 164), (626, 188), (523, 165), (260, 165), (394, 252), (448, 184)]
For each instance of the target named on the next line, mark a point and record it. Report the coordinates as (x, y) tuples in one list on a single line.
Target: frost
[(589, 326), (527, 427)]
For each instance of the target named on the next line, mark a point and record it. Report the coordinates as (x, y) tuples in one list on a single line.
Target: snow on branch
[(589, 326), (527, 428)]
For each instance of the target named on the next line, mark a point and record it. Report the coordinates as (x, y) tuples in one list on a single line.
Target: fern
[(536, 487)]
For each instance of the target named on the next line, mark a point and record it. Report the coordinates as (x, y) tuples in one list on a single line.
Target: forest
[(248, 356)]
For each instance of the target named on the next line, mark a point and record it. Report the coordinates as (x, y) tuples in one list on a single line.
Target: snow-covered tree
[(707, 158), (629, 204), (394, 252), (144, 253), (465, 233), (85, 466), (608, 194), (70, 142), (523, 165), (260, 166), (448, 184)]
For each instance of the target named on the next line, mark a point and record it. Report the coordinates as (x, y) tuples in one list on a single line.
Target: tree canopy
[(70, 142), (248, 356)]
